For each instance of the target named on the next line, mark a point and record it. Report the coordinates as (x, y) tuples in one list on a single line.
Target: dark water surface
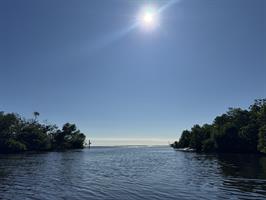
[(125, 173)]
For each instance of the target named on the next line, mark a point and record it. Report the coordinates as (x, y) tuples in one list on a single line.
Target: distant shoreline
[(117, 146)]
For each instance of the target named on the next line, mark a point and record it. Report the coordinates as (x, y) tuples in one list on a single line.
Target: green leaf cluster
[(238, 130)]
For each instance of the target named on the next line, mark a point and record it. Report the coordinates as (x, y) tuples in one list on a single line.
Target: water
[(131, 173)]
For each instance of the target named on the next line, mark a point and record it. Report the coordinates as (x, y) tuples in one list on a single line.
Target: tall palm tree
[(36, 114)]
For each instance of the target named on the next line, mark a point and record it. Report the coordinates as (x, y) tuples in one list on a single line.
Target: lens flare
[(148, 17)]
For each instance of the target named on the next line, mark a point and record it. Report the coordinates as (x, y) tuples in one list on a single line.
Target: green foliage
[(249, 137), (227, 140), (262, 139), (197, 137), (237, 130), (14, 146), (185, 139), (69, 137), (17, 135), (208, 145)]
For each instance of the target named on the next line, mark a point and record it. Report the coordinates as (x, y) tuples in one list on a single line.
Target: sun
[(148, 17)]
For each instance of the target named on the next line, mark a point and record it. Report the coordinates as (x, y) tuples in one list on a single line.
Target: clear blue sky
[(78, 61)]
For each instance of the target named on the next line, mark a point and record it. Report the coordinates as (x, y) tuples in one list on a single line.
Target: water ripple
[(131, 173)]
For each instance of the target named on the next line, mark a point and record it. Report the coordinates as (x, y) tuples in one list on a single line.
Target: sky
[(86, 62)]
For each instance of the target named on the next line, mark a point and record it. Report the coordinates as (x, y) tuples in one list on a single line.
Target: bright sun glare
[(148, 17)]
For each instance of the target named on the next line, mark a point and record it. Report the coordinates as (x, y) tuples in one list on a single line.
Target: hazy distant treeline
[(238, 130), (18, 134)]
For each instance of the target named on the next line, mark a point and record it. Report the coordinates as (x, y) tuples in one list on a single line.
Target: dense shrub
[(18, 134), (238, 130)]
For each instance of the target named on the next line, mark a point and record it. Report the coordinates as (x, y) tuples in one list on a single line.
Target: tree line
[(237, 131), (18, 134)]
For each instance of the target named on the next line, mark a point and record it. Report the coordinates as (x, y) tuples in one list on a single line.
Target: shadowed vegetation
[(238, 130), (18, 134)]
